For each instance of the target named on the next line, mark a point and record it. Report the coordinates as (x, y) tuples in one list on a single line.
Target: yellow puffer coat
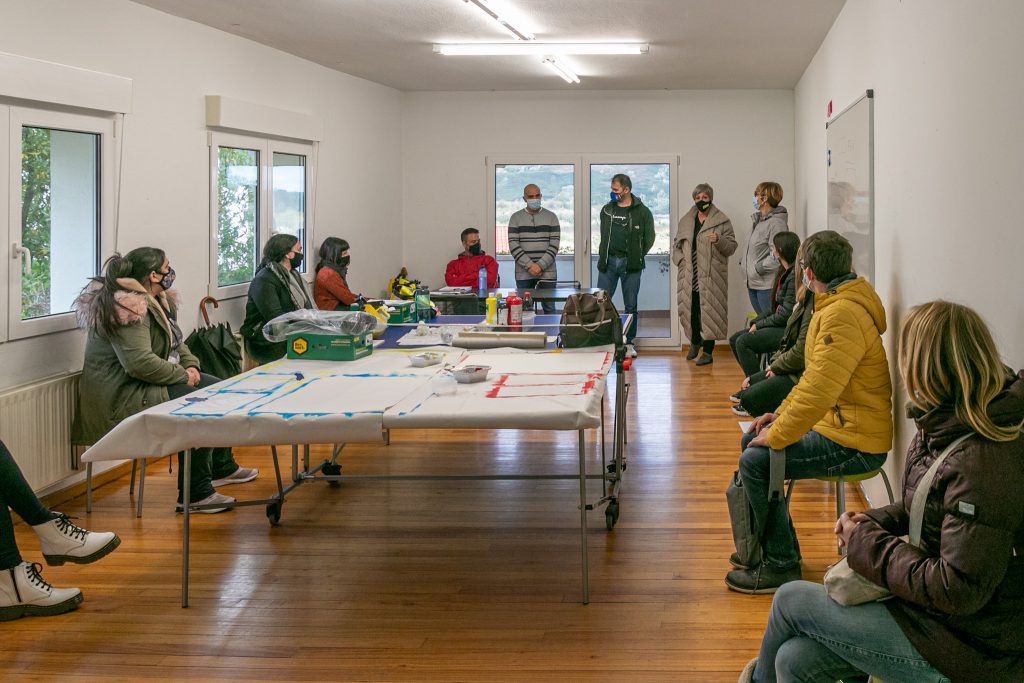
[(845, 393)]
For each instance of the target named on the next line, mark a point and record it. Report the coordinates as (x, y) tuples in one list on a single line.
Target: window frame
[(266, 147), (102, 125)]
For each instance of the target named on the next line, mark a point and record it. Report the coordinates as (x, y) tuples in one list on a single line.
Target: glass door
[(654, 185)]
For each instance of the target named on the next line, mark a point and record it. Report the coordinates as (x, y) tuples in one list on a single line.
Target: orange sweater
[(330, 291)]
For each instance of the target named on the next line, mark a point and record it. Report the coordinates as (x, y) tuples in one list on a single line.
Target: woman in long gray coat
[(704, 242)]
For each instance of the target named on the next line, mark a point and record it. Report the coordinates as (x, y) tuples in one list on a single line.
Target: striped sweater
[(533, 238)]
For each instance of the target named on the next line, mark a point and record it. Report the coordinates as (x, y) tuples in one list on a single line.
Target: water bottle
[(481, 282), (422, 297)]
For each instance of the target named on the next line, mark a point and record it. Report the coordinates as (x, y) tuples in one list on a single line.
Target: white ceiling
[(694, 44)]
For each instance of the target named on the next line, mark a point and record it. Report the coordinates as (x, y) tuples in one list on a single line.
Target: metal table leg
[(583, 516), (186, 472)]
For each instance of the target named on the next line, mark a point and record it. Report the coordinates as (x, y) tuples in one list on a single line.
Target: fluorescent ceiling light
[(566, 74), (533, 47), (504, 23)]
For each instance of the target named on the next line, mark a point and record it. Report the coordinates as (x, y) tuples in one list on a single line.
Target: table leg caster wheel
[(331, 470), (274, 513), (611, 466), (611, 514)]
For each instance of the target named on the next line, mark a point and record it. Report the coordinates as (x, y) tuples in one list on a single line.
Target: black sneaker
[(760, 580)]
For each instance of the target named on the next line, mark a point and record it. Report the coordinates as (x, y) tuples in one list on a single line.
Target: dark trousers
[(748, 347), (17, 495), (765, 394), (207, 463), (695, 338), (531, 283)]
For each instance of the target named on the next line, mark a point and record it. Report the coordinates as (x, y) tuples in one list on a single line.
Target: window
[(60, 180), (557, 185), (260, 188)]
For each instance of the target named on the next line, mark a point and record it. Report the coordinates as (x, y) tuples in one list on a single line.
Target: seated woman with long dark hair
[(135, 358), (276, 288), (330, 289), (957, 597)]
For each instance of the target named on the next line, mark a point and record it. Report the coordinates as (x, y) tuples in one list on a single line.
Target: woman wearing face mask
[(135, 359), (704, 242), (330, 289), (759, 266), (276, 288)]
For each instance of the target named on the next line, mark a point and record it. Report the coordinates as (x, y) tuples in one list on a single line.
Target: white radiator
[(35, 423)]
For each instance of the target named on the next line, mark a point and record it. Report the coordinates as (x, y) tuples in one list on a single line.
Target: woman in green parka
[(136, 358)]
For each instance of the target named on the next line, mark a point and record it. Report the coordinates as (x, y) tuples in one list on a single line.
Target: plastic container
[(426, 359), (471, 374), (422, 303), (492, 306), (515, 311)]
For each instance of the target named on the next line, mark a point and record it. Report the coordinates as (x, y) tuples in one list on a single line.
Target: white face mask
[(807, 280)]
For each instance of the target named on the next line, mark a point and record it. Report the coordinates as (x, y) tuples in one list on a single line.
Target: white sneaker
[(631, 350), (735, 398), (212, 499), (239, 476), (738, 410), (24, 593), (61, 541)]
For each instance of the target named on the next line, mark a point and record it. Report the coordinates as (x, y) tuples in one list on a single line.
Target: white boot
[(24, 593), (62, 541)]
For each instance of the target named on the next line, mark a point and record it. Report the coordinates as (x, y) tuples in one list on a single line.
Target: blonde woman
[(958, 598)]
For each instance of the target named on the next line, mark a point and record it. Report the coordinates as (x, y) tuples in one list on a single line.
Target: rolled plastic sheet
[(311, 321)]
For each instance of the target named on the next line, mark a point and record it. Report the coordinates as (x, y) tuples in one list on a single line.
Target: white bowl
[(471, 373), (426, 359)]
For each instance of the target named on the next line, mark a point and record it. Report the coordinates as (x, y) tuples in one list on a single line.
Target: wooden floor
[(413, 581)]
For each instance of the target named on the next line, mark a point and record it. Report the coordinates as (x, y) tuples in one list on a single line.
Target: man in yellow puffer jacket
[(837, 419)]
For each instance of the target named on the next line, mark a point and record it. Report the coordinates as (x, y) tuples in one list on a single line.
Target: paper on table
[(575, 389), (219, 404), (540, 363), (745, 426), (342, 396)]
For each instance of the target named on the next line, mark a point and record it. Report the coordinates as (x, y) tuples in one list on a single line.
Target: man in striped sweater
[(533, 235)]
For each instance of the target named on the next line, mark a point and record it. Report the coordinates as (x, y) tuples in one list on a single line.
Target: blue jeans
[(812, 456), (811, 637), (614, 271), (761, 300)]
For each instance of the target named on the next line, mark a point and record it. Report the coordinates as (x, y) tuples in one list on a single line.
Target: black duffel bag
[(589, 320)]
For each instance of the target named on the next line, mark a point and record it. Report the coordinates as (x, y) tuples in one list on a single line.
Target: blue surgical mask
[(533, 204), (754, 200), (615, 196)]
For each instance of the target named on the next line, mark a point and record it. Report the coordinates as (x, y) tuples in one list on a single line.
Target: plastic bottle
[(502, 318), (481, 282), (492, 305), (422, 303), (515, 311)]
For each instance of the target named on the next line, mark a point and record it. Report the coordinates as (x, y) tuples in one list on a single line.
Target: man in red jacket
[(464, 269)]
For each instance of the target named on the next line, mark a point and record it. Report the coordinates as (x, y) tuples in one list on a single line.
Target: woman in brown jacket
[(957, 599), (704, 242)]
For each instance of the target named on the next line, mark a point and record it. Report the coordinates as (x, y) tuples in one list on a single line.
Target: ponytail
[(137, 264)]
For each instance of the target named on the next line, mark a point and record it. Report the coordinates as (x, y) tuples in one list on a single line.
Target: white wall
[(731, 139), (174, 64), (949, 154)]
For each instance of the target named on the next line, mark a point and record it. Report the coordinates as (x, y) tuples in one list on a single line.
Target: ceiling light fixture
[(533, 47), (521, 35), (564, 72)]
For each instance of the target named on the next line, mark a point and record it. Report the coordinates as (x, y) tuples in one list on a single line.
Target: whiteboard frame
[(870, 96)]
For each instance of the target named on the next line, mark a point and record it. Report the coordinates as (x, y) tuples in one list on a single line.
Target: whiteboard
[(851, 181)]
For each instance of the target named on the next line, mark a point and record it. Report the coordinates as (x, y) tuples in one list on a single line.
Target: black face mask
[(344, 261), (475, 249), (296, 260), (168, 278), (702, 206)]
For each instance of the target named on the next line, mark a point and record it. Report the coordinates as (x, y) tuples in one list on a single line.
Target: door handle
[(23, 253)]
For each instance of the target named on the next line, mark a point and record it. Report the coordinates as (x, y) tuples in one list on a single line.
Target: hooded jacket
[(759, 266), (129, 371), (464, 270), (845, 393), (712, 272), (960, 595), (640, 237)]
